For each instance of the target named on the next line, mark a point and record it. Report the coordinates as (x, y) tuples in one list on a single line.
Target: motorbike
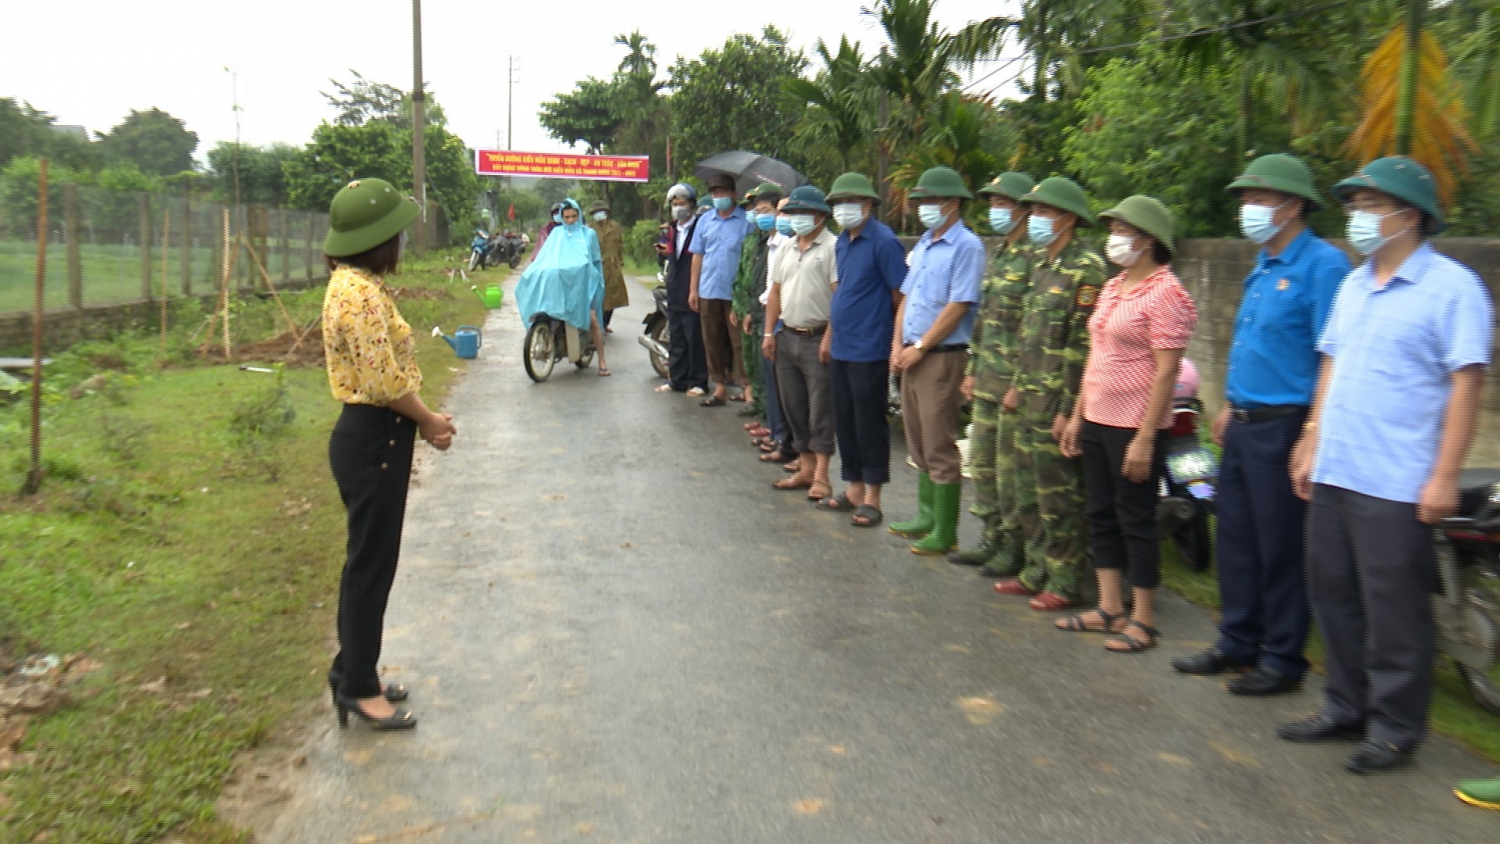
[(1192, 470), (1467, 607), (478, 247), (487, 250), (656, 338), (550, 340)]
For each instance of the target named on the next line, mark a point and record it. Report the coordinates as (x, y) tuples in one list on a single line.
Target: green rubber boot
[(988, 547), (944, 535), (1482, 793), (922, 524)]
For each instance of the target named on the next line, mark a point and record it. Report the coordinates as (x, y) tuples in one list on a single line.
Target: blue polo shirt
[(862, 315), (943, 270), (1274, 357), (1394, 350), (718, 240)]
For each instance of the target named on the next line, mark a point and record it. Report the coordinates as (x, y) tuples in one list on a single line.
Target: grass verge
[(1454, 713), (177, 536)]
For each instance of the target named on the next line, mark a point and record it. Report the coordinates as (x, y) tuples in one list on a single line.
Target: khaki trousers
[(929, 406)]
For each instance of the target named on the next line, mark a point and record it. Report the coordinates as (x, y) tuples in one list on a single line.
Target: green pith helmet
[(853, 187), (765, 191), (1282, 173), (1010, 185), (803, 199), (599, 205), (940, 183), (1064, 193), (1147, 214), (1401, 177), (364, 214)]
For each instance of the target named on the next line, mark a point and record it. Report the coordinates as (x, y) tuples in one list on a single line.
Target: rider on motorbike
[(565, 280)]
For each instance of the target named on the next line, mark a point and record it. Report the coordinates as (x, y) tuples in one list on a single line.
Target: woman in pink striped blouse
[(1139, 329)]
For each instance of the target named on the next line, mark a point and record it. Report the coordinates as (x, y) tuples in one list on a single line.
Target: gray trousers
[(806, 397), (1371, 573)]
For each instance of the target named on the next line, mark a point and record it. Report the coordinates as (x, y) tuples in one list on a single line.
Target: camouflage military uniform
[(1050, 354), (749, 284), (992, 437)]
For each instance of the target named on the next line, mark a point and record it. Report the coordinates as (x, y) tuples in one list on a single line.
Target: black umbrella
[(749, 169)]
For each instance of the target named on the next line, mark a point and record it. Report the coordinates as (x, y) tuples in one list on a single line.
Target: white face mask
[(849, 215), (803, 224), (601, 216), (931, 216), (682, 212), (1118, 250)]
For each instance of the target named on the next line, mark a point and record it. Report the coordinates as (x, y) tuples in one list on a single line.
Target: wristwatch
[(918, 346)]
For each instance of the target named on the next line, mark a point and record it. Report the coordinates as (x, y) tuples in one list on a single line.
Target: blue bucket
[(466, 341)]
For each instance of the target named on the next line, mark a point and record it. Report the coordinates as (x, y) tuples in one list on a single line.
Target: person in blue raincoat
[(565, 279)]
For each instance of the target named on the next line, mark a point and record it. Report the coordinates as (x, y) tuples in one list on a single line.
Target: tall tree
[(840, 102), (363, 100), (262, 180), (589, 115), (729, 98), (155, 141)]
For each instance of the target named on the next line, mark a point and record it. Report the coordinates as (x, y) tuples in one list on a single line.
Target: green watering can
[(492, 296)]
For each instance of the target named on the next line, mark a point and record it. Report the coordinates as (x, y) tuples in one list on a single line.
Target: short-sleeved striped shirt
[(1125, 330)]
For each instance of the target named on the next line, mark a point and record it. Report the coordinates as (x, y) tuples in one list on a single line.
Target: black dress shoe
[(1211, 661), (1262, 681), (1320, 728), (1372, 757)]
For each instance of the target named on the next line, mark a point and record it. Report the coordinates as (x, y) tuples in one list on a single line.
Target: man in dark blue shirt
[(1273, 370), (871, 266)]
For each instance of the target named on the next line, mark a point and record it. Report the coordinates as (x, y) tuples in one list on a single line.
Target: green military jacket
[(1002, 297), (1053, 344), (750, 280)]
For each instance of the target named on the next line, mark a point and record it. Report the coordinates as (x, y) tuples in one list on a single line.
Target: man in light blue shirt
[(716, 262), (929, 350), (1398, 395)]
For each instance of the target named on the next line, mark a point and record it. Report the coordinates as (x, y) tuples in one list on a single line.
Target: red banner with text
[(547, 165)]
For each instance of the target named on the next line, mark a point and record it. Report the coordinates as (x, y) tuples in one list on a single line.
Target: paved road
[(617, 632)]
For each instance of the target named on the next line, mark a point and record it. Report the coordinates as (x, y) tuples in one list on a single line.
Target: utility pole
[(510, 99), (418, 127)]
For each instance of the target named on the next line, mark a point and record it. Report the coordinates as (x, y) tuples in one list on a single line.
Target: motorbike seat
[(1474, 490)]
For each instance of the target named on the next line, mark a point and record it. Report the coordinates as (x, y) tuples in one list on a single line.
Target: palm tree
[(839, 98)]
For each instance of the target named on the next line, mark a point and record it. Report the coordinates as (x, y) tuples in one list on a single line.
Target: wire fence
[(107, 247)]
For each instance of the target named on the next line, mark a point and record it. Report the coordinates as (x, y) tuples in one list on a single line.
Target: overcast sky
[(90, 62)]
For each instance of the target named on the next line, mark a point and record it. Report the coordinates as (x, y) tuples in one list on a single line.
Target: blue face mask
[(1040, 230), (784, 225), (765, 222), (1364, 231), (1256, 224), (1001, 221), (723, 203)]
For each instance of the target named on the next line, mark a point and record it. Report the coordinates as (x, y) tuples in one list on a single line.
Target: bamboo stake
[(224, 285), (291, 325), (34, 477), (166, 251)]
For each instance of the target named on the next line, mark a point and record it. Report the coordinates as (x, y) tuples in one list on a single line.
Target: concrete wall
[(1214, 272)]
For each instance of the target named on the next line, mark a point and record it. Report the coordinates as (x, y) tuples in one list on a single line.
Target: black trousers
[(1370, 574), (1260, 543), (859, 404), (370, 453), (687, 367), (1122, 514)]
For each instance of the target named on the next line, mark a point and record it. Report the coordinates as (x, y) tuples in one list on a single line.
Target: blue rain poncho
[(566, 278)]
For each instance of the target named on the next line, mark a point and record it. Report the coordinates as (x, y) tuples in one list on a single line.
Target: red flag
[(512, 212)]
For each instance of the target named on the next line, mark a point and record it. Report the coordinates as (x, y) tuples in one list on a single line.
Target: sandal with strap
[(1131, 645), (866, 515), (818, 491), (1076, 623), (840, 503)]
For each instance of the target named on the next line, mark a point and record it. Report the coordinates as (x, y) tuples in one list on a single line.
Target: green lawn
[(172, 542), (112, 273)]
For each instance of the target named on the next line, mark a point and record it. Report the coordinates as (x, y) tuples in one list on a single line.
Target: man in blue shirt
[(716, 261), (1404, 354), (871, 266), (1273, 368), (929, 350)]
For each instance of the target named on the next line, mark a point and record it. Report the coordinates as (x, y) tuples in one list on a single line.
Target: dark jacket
[(679, 269)]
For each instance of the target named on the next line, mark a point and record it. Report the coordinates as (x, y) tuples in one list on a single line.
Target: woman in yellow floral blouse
[(372, 369)]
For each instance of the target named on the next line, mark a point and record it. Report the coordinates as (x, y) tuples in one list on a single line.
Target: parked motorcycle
[(1187, 487), (550, 340), (656, 339), (1468, 607), (478, 247)]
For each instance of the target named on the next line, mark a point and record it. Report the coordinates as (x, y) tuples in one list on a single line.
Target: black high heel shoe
[(393, 692), (401, 719)]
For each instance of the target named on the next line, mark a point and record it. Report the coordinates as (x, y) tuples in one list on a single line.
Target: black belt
[(1262, 414), (948, 347), (807, 332)]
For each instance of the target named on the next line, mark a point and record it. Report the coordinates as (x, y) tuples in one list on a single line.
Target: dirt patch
[(265, 777), (291, 348), (418, 293)]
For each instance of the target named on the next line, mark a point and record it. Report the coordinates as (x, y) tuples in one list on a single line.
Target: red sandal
[(1051, 602), (1014, 586)]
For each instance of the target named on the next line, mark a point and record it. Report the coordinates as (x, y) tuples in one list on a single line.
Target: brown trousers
[(714, 314), (929, 407)]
